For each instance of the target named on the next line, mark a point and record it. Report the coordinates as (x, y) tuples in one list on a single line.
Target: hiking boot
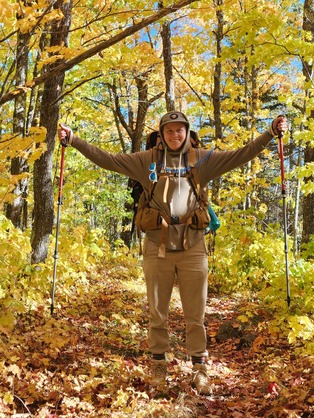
[(200, 379), (159, 373)]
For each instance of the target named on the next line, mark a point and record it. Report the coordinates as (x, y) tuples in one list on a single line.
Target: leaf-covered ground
[(91, 360)]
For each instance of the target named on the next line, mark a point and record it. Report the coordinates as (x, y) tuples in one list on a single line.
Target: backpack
[(137, 188), (147, 218)]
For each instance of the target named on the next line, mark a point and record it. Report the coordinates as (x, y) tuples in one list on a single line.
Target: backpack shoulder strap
[(155, 151), (192, 175)]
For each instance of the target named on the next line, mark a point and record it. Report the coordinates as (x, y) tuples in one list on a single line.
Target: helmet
[(173, 117)]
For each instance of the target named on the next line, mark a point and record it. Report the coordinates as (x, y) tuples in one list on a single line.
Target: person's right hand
[(65, 135), (280, 125)]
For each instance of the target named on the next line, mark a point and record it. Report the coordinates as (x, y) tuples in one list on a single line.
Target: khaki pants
[(190, 268)]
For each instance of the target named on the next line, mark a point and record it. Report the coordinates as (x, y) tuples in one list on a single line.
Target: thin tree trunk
[(168, 67), (134, 127), (247, 122), (217, 91), (17, 211), (296, 212), (253, 110), (43, 189), (308, 201), (33, 114)]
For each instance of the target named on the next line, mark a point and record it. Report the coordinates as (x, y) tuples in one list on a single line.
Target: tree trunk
[(49, 114), (168, 68), (308, 201), (134, 127), (17, 211), (33, 115), (296, 212), (217, 91)]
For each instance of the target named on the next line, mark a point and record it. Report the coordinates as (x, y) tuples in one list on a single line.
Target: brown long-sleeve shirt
[(180, 198)]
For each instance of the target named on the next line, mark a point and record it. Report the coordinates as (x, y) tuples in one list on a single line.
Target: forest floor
[(90, 360)]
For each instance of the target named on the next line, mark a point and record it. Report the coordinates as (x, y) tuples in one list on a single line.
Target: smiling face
[(174, 134)]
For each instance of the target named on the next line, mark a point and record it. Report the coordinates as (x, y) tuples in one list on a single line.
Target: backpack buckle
[(175, 220)]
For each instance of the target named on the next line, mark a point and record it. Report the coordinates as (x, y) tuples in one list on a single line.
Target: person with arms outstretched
[(174, 178)]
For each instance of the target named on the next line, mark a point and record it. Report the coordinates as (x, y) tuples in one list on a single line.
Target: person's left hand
[(279, 125)]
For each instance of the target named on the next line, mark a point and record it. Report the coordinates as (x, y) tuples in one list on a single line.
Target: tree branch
[(67, 65), (75, 87), (186, 81)]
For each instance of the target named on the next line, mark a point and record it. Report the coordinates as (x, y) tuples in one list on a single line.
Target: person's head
[(174, 129)]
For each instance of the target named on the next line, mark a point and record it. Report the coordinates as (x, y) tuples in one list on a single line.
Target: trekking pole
[(214, 224), (283, 193), (213, 252), (56, 256)]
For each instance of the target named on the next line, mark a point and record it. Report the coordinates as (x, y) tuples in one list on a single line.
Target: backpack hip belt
[(152, 219)]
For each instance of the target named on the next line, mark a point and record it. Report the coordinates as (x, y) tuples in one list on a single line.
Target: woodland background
[(110, 69)]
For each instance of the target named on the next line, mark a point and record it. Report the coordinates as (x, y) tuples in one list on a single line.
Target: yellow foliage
[(37, 153), (302, 327), (37, 134), (16, 178), (7, 321), (49, 60), (243, 318), (8, 398), (32, 15), (14, 146), (8, 10)]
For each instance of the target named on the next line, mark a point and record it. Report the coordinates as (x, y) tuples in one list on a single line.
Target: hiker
[(174, 219)]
